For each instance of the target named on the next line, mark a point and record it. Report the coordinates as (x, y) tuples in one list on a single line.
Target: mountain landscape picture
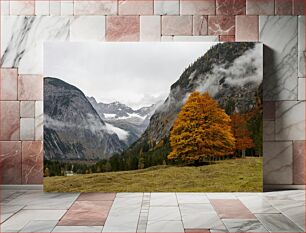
[(153, 117)]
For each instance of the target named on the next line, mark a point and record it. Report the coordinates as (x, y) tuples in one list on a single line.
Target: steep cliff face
[(72, 127), (230, 72)]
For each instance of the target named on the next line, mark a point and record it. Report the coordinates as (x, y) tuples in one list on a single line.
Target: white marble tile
[(27, 108), (42, 7), (268, 130), (150, 28), (165, 226), (277, 223), (242, 225), (301, 46), (22, 7), (290, 120), (106, 7), (279, 34), (27, 129), (5, 7), (221, 196), (189, 198), (74, 229), (293, 195), (161, 213), (301, 89), (39, 120), (166, 7), (190, 38), (277, 167), (258, 205), (129, 195), (22, 40), (8, 210), (87, 28), (163, 199), (66, 7), (55, 8), (39, 226)]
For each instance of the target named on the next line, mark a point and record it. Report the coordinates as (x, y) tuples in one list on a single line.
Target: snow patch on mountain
[(122, 134)]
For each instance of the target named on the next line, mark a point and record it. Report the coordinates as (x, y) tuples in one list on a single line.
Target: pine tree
[(202, 131)]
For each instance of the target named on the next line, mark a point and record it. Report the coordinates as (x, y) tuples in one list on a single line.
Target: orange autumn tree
[(241, 133), (202, 131)]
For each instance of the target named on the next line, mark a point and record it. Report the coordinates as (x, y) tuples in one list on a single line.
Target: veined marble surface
[(280, 36), (22, 40), (301, 46)]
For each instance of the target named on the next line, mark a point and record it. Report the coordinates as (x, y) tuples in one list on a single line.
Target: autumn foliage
[(202, 131)]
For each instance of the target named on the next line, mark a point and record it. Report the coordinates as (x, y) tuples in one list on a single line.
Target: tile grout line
[(143, 216)]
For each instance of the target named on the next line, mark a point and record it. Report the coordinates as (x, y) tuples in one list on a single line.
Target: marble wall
[(25, 25)]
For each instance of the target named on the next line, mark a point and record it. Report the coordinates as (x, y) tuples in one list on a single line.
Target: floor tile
[(237, 225), (257, 205), (8, 210), (277, 223), (39, 226), (74, 229), (297, 195), (192, 198), (163, 199), (206, 220), (96, 197), (165, 226), (221, 196), (164, 214), (197, 230)]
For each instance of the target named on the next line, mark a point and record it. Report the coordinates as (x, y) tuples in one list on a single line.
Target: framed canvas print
[(153, 117)]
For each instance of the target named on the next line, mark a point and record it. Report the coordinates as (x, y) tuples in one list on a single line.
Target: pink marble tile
[(97, 196), (105, 7), (221, 25), (298, 7), (260, 7), (135, 7), (32, 162), (27, 108), (283, 7), (86, 213), (176, 25), (8, 84), (230, 7), (299, 162), (30, 87), (269, 110), (10, 162), (247, 28), (227, 38), (231, 209), (194, 230), (200, 25), (196, 7), (22, 7), (122, 28), (150, 28), (9, 120)]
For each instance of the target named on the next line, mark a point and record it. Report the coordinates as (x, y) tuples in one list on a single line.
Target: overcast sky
[(136, 74)]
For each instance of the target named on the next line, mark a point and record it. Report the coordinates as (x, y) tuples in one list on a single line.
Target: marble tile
[(231, 209), (22, 40), (22, 7), (299, 162), (87, 28), (20, 219), (298, 7), (165, 226), (257, 205), (97, 197), (277, 223), (203, 7), (247, 28), (200, 230), (277, 167), (5, 7), (192, 198), (161, 213), (107, 7), (27, 129), (27, 109), (191, 38), (290, 120), (230, 7), (135, 7), (269, 110), (166, 7), (221, 25), (42, 7), (8, 210), (150, 28), (268, 130), (163, 199), (292, 195), (9, 120), (301, 47), (221, 196), (237, 225), (176, 25), (32, 162), (10, 162), (260, 7), (8, 84), (55, 8), (283, 7), (279, 34), (74, 229), (39, 120), (200, 25), (129, 195), (67, 7), (225, 38), (301, 89), (122, 28), (30, 87), (39, 226)]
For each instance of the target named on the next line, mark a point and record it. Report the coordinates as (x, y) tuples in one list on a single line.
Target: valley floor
[(236, 175)]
